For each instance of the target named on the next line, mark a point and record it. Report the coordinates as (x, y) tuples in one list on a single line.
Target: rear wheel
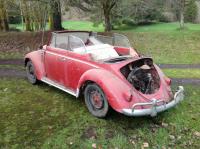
[(30, 72), (96, 101)]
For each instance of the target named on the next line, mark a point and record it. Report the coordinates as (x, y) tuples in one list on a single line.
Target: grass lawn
[(160, 27), (182, 73), (71, 25), (42, 116), (87, 25), (82, 25), (168, 47)]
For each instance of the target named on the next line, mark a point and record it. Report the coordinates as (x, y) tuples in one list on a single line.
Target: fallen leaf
[(133, 142), (94, 145), (197, 134), (163, 147), (164, 124), (5, 89), (145, 145), (179, 137), (172, 137)]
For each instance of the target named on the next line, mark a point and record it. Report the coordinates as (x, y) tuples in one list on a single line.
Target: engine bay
[(142, 75)]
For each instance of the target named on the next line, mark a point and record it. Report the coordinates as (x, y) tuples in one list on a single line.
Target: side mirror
[(41, 47)]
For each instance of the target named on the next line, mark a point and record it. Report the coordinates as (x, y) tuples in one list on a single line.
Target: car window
[(121, 40), (76, 45), (115, 40), (53, 40), (61, 40)]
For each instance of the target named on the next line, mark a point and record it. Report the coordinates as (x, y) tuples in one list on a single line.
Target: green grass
[(156, 27), (160, 27), (182, 73), (82, 25), (71, 25), (168, 47), (44, 117)]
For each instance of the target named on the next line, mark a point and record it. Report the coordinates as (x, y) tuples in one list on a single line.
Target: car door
[(78, 61), (55, 59), (50, 61)]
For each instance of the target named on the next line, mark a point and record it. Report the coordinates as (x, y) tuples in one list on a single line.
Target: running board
[(57, 85)]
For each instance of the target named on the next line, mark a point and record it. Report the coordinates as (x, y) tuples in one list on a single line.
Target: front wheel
[(96, 101), (30, 71)]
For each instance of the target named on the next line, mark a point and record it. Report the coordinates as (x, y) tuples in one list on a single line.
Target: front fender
[(36, 57), (114, 87)]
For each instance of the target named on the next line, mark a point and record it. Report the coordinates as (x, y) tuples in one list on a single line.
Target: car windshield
[(100, 47), (117, 40)]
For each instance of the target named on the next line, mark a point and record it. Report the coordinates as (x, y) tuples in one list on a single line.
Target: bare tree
[(182, 10), (4, 26), (98, 7), (55, 15)]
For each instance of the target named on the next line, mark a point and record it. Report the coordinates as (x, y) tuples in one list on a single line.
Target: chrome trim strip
[(52, 83), (81, 61), (154, 110)]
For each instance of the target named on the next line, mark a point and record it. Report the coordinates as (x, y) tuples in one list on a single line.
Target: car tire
[(96, 101), (30, 72)]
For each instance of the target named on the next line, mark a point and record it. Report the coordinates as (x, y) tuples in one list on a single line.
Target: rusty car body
[(106, 70)]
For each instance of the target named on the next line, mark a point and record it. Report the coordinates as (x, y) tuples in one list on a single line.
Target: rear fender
[(113, 87), (36, 57)]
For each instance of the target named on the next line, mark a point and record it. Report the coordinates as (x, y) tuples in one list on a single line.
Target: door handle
[(62, 59)]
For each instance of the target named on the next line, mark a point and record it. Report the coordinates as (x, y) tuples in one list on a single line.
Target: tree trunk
[(108, 25), (51, 22), (4, 26), (182, 20), (182, 10), (26, 14), (107, 20), (56, 15)]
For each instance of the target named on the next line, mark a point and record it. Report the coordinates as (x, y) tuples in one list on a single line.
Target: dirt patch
[(89, 133), (109, 134)]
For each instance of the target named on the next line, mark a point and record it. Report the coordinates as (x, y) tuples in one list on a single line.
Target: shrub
[(191, 11), (128, 21)]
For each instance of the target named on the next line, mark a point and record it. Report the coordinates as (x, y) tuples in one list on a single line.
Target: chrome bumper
[(155, 109)]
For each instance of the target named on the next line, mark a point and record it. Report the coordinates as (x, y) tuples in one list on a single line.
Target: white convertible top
[(98, 52)]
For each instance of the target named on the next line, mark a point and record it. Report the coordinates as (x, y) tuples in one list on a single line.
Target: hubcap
[(31, 72), (96, 99)]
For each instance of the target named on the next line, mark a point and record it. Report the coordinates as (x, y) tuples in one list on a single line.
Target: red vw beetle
[(106, 70)]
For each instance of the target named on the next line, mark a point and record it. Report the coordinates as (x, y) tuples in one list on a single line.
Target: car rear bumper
[(155, 108)]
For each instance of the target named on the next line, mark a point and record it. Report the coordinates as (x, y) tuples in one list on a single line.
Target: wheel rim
[(96, 99), (31, 74)]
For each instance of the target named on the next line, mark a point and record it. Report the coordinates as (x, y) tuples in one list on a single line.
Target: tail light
[(168, 81), (128, 97)]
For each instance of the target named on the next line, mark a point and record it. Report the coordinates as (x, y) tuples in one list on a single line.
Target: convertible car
[(106, 70)]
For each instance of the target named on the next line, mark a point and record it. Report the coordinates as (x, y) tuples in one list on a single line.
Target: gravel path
[(179, 66), (169, 66), (11, 62), (17, 73)]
